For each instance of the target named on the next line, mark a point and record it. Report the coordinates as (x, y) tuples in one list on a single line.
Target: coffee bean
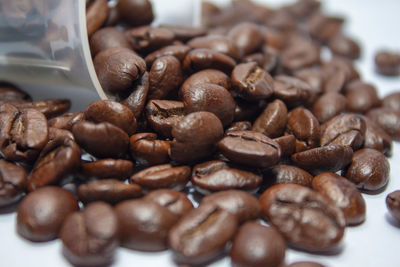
[(178, 51), (337, 72), (118, 68), (107, 38), (393, 204), (218, 43), (305, 127), (9, 92), (250, 148), (376, 138), (200, 59), (300, 53), (165, 76), (146, 39), (239, 126), (136, 100), (91, 137), (49, 107), (306, 264), (194, 240), (343, 193), (109, 190), (247, 37), (298, 213), (287, 144), (60, 157), (344, 129), (112, 112), (314, 78), (361, 97), (135, 12), (304, 9), (66, 121), (13, 180), (273, 119), (214, 176), (108, 168), (323, 27), (162, 176), (271, 246), (162, 115), (90, 237), (144, 225), (392, 101), (344, 46), (269, 61), (252, 82), (242, 204), (287, 174), (195, 136), (147, 150), (246, 110), (387, 63), (176, 202), (388, 120), (22, 134), (41, 213), (96, 15), (292, 91), (369, 170), (209, 97), (329, 105)]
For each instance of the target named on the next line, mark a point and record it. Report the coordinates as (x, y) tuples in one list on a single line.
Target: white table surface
[(374, 243)]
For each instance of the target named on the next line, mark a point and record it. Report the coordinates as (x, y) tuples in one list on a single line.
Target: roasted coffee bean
[(178, 51), (108, 168), (90, 237), (200, 59), (286, 174), (242, 204), (292, 91), (146, 39), (66, 121), (314, 78), (328, 106), (9, 92), (165, 76), (251, 82), (361, 97), (329, 158), (206, 76), (118, 68), (322, 27), (247, 37), (393, 204), (92, 138), (344, 129), (162, 176), (344, 46), (13, 180), (246, 110), (219, 43), (343, 193), (299, 213), (147, 150), (387, 63), (176, 202), (194, 240), (96, 15), (388, 119), (369, 170), (250, 148), (269, 60), (304, 8), (214, 176), (299, 54), (112, 112), (376, 138), (337, 72), (271, 246), (273, 119), (209, 97), (49, 107), (107, 38), (144, 225), (136, 100), (109, 190), (135, 12), (22, 134), (195, 136), (162, 115), (392, 101), (305, 264), (305, 127), (239, 126), (287, 144), (60, 157), (41, 213)]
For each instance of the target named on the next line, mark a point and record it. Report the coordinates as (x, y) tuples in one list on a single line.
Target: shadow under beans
[(391, 220)]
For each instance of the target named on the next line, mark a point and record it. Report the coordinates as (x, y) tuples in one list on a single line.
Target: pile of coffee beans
[(272, 142)]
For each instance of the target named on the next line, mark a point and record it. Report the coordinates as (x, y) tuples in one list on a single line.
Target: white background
[(374, 243)]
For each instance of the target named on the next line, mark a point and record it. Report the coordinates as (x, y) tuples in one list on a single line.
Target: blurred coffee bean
[(361, 97), (178, 51), (387, 63), (108, 168), (105, 38), (96, 15), (13, 181), (135, 12), (185, 32), (376, 138), (146, 39), (344, 46), (200, 59), (392, 101), (292, 91), (218, 43), (328, 106), (388, 119), (66, 120), (247, 37)]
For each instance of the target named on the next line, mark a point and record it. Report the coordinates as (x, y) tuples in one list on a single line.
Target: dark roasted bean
[(239, 126), (247, 37), (107, 38), (292, 91), (376, 138), (136, 100), (184, 32), (328, 106), (207, 76), (218, 43), (66, 121), (344, 46), (387, 63), (286, 174), (388, 119), (287, 144), (273, 119), (200, 59), (108, 168), (13, 180), (178, 51), (146, 39), (96, 15), (392, 101), (147, 150), (393, 204), (135, 12), (361, 97)]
